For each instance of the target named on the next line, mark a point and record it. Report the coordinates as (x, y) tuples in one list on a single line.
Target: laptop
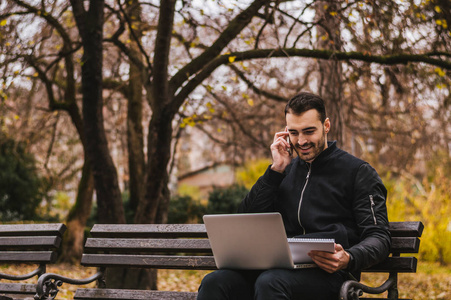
[(250, 241)]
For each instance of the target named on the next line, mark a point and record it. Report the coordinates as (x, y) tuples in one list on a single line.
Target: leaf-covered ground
[(431, 282)]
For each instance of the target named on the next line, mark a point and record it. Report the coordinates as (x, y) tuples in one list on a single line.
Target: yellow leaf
[(438, 22), (250, 102), (333, 13), (224, 88), (35, 74), (437, 9), (232, 59), (16, 117), (440, 72), (3, 22)]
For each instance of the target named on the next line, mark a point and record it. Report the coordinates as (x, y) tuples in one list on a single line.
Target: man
[(323, 192)]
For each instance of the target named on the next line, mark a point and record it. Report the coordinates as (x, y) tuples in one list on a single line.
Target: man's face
[(308, 134)]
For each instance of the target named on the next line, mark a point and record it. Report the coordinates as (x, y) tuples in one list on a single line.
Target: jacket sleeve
[(370, 212), (263, 194)]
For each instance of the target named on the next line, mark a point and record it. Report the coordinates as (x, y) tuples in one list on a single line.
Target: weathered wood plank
[(36, 242), (381, 299), (17, 288), (57, 229), (395, 264), (28, 256), (148, 245), (149, 230), (132, 294), (405, 245), (149, 261), (406, 229)]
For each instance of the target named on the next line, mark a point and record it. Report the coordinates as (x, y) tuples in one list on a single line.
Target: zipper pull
[(372, 209)]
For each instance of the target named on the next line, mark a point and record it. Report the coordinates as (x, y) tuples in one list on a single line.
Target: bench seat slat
[(56, 229), (149, 230), (395, 264), (148, 245), (149, 261), (132, 294), (28, 256), (18, 288), (36, 242)]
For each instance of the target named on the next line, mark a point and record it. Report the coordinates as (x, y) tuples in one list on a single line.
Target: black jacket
[(336, 196)]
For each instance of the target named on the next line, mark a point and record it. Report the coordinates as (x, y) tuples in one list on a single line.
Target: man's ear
[(327, 125)]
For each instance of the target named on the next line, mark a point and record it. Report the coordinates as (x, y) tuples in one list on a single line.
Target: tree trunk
[(158, 156), (90, 26), (330, 71), (135, 137), (76, 221)]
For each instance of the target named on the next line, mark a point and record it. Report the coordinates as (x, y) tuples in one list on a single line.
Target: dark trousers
[(302, 284)]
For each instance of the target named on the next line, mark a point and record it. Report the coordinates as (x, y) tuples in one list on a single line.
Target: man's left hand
[(331, 262)]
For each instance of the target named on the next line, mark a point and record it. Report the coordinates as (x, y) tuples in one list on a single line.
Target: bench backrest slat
[(405, 245), (395, 264), (56, 229), (148, 245), (149, 261), (36, 257), (149, 230), (36, 242), (406, 229)]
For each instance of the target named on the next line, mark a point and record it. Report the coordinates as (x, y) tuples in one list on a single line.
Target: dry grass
[(431, 282)]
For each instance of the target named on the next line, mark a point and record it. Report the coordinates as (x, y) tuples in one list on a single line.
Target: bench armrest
[(351, 289), (38, 271), (48, 283)]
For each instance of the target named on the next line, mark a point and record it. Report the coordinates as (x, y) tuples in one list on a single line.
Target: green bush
[(20, 183), (226, 200), (184, 209)]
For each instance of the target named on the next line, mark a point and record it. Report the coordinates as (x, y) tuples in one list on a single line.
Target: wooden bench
[(27, 244), (178, 246), (405, 240)]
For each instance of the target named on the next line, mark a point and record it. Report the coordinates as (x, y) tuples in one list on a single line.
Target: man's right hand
[(281, 158)]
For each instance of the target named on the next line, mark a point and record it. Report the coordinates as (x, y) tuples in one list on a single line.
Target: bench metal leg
[(393, 289), (352, 290)]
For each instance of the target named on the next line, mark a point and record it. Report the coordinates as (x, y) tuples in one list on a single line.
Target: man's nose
[(302, 140)]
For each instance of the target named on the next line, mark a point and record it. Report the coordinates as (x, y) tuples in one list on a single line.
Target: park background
[(162, 111)]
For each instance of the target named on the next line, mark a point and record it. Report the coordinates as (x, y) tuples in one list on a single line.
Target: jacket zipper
[(372, 209), (302, 196)]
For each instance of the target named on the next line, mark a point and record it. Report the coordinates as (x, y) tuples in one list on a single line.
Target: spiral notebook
[(258, 242)]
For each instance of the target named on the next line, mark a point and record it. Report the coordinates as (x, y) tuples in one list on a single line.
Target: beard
[(309, 151)]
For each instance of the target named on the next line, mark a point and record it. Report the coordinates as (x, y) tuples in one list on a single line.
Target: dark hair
[(303, 102)]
